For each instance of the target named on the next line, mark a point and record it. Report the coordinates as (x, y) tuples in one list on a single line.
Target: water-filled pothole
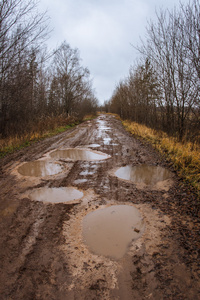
[(149, 175), (107, 140), (56, 195), (78, 181), (79, 154), (39, 168), (94, 145), (110, 231), (86, 172)]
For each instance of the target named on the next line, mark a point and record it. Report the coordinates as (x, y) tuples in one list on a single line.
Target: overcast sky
[(103, 31)]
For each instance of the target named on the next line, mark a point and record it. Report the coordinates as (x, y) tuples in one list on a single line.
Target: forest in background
[(38, 89), (162, 91)]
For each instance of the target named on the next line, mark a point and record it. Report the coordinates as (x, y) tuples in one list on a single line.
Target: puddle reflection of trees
[(40, 168), (149, 175)]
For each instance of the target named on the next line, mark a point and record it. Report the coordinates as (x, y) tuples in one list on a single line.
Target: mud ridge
[(43, 254)]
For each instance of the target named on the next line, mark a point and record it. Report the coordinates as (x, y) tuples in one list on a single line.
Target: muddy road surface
[(94, 213)]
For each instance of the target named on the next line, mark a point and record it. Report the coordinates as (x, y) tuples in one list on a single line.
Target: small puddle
[(104, 128), (79, 181), (149, 175), (86, 172), (107, 140), (56, 195), (39, 168), (94, 145), (79, 154), (110, 231)]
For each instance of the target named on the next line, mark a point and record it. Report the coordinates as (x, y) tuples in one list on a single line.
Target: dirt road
[(43, 252)]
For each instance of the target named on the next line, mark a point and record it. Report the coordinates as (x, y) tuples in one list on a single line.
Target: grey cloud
[(103, 31)]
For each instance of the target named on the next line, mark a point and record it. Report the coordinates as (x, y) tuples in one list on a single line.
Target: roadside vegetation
[(185, 156), (46, 128), (162, 91), (41, 91), (160, 97)]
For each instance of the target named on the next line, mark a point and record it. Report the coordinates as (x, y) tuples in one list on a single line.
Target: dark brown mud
[(42, 250)]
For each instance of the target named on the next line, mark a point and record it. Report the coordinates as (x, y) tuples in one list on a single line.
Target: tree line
[(163, 90), (35, 84)]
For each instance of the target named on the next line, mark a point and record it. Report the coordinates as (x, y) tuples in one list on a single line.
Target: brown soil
[(42, 252)]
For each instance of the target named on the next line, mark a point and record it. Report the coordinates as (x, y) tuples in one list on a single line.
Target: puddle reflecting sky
[(149, 175), (107, 141), (78, 181), (86, 172), (102, 128), (39, 168), (109, 231), (94, 145), (78, 154), (56, 195)]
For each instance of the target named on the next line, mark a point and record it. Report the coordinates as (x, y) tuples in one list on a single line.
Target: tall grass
[(46, 127), (184, 156)]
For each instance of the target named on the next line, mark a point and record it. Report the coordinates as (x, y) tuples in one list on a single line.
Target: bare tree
[(71, 83), (135, 98), (22, 29), (167, 48), (164, 91)]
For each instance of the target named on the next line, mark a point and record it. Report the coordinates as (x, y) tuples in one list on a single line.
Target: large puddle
[(39, 168), (110, 231), (79, 154), (149, 175), (56, 195)]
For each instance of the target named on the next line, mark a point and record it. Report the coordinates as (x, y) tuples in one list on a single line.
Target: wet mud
[(73, 228)]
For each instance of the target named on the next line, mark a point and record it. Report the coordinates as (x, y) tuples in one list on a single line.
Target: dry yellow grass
[(45, 127), (184, 156), (89, 117), (10, 144)]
